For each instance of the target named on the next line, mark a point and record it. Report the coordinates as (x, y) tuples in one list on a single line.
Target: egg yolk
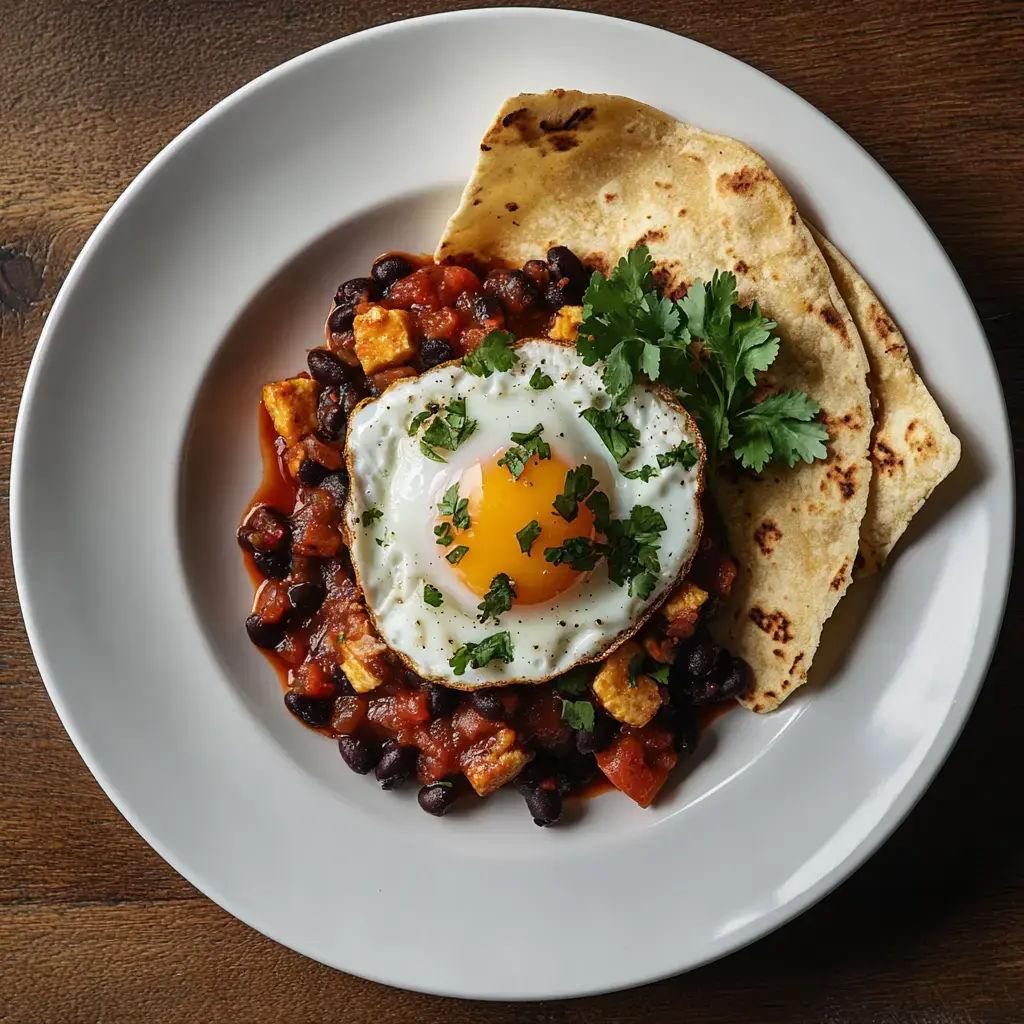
[(500, 506)]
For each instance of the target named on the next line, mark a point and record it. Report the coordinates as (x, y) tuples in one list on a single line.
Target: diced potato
[(494, 761), (682, 609), (357, 657), (631, 705), (383, 338), (567, 323), (292, 406)]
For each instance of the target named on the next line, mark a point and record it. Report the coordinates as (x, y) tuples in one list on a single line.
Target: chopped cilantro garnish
[(575, 681), (632, 550), (525, 445), (527, 535), (619, 436), (540, 381), (370, 516), (709, 349), (493, 353), (432, 596), (579, 553), (496, 646), (579, 482), (636, 668), (421, 417), (452, 505), (429, 452), (660, 674), (444, 533), (444, 783), (578, 714), (457, 554), (461, 516), (684, 454), (498, 598), (599, 504)]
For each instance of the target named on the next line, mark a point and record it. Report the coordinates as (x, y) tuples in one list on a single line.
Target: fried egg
[(423, 593)]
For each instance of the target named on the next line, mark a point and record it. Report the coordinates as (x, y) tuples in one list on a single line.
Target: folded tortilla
[(603, 174), (912, 448)]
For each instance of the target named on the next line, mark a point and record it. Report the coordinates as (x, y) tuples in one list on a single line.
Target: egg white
[(397, 555)]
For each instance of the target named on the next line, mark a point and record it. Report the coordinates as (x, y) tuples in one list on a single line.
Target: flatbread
[(602, 174), (912, 447)]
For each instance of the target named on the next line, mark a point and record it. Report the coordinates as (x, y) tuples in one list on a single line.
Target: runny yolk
[(500, 506)]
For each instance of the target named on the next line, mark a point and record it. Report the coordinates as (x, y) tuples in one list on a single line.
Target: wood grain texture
[(94, 926)]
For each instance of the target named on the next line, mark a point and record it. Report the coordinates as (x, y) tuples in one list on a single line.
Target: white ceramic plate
[(136, 451)]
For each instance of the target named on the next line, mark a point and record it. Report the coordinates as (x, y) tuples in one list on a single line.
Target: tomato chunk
[(311, 680), (637, 771), (440, 323), (454, 281), (418, 289)]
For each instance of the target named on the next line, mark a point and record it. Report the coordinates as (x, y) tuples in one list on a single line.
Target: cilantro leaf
[(644, 473), (579, 482), (527, 535), (599, 504), (493, 353), (444, 533), (429, 452), (781, 427), (540, 381), (636, 668), (421, 417), (432, 596), (446, 506), (578, 714), (460, 518), (616, 432), (580, 553), (450, 430), (370, 516), (498, 598), (632, 550), (684, 454), (457, 554), (660, 674), (496, 646), (575, 681)]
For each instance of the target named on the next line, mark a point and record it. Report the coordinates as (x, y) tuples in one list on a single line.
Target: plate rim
[(909, 795)]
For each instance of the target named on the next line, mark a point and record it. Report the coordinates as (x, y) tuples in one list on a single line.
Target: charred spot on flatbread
[(844, 479), (920, 440), (885, 458), (652, 235), (767, 535), (840, 577), (741, 182), (776, 624), (577, 117)]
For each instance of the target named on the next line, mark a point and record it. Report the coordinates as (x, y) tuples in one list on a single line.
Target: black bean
[(564, 263), (729, 679), (701, 660), (360, 755), (574, 770), (359, 289), (342, 687), (537, 272), (306, 598), (437, 798), (544, 804), (737, 680), (265, 635), (441, 701), (389, 269), (264, 529), (435, 351), (557, 295), (330, 416), (341, 319), (396, 764), (314, 711), (326, 367), (488, 704), (351, 393), (598, 739), (513, 289), (336, 485), (273, 565), (683, 723), (311, 473), (536, 772)]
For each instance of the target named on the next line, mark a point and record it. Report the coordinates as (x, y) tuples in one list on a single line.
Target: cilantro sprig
[(705, 346), (497, 646), (498, 598), (617, 434), (370, 516), (452, 505), (495, 352), (432, 596), (540, 381), (684, 454)]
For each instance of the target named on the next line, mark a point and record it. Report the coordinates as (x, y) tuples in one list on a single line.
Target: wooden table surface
[(95, 926)]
